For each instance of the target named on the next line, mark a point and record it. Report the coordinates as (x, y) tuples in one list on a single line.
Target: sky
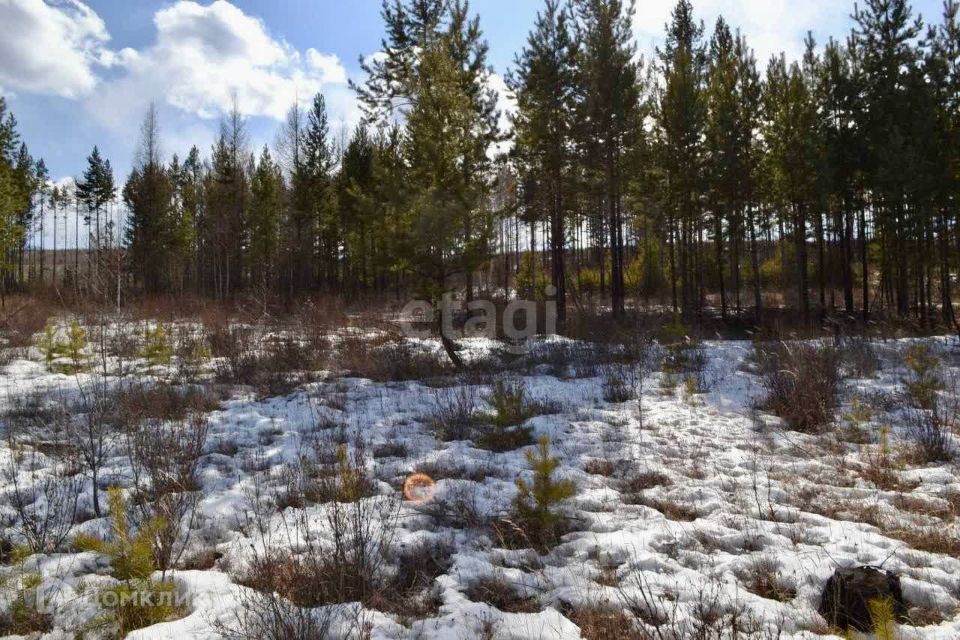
[(78, 73)]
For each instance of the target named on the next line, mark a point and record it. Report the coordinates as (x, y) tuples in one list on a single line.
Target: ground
[(693, 507)]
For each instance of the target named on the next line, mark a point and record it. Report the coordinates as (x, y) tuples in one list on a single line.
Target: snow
[(756, 491)]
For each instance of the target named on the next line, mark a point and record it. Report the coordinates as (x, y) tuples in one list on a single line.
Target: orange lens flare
[(419, 488)]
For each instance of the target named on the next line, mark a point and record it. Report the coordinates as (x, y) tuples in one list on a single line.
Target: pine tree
[(14, 199), (724, 146), (95, 191), (885, 36), (317, 232), (544, 83), (148, 195), (266, 189), (611, 115), (358, 215), (42, 179), (535, 504), (681, 117)]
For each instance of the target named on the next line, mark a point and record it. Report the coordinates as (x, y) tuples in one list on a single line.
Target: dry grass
[(761, 577), (604, 623), (633, 487), (600, 467), (672, 509), (498, 592), (941, 540), (802, 381)]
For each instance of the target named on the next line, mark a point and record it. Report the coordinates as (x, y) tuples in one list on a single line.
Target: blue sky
[(82, 73)]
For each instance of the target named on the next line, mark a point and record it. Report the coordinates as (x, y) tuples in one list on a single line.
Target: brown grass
[(497, 591), (599, 623)]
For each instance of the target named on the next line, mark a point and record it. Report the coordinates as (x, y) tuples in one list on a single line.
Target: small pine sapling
[(74, 348), (883, 617), (856, 422), (509, 404), (925, 381), (137, 601), (511, 409), (49, 345), (156, 348), (535, 504)]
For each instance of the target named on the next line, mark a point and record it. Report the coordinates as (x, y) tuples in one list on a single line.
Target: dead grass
[(634, 486), (802, 381), (600, 467), (941, 540), (498, 592), (604, 623), (672, 509), (762, 577)]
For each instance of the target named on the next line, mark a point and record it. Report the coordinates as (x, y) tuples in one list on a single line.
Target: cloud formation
[(202, 56), (52, 47), (770, 26)]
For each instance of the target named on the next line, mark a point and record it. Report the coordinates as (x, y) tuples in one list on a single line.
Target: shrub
[(192, 352), (859, 357), (353, 483), (685, 358), (531, 281), (454, 414), (156, 346), (164, 458), (267, 615), (802, 381), (350, 564), (619, 384), (497, 591), (45, 504), (932, 431), (762, 577), (925, 381), (534, 508), (856, 422)]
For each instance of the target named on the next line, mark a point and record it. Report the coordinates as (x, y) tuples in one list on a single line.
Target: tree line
[(695, 180)]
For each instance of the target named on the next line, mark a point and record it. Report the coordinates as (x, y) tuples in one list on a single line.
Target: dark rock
[(847, 595)]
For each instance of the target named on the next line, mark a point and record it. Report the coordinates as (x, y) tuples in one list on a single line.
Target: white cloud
[(52, 46), (204, 55), (770, 26)]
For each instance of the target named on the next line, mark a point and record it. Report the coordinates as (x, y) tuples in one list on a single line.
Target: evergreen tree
[(266, 190), (610, 114), (148, 196), (358, 215), (316, 227), (14, 199), (681, 117), (885, 36), (544, 83), (724, 147)]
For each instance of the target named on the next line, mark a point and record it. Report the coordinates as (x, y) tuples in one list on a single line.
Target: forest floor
[(696, 513)]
